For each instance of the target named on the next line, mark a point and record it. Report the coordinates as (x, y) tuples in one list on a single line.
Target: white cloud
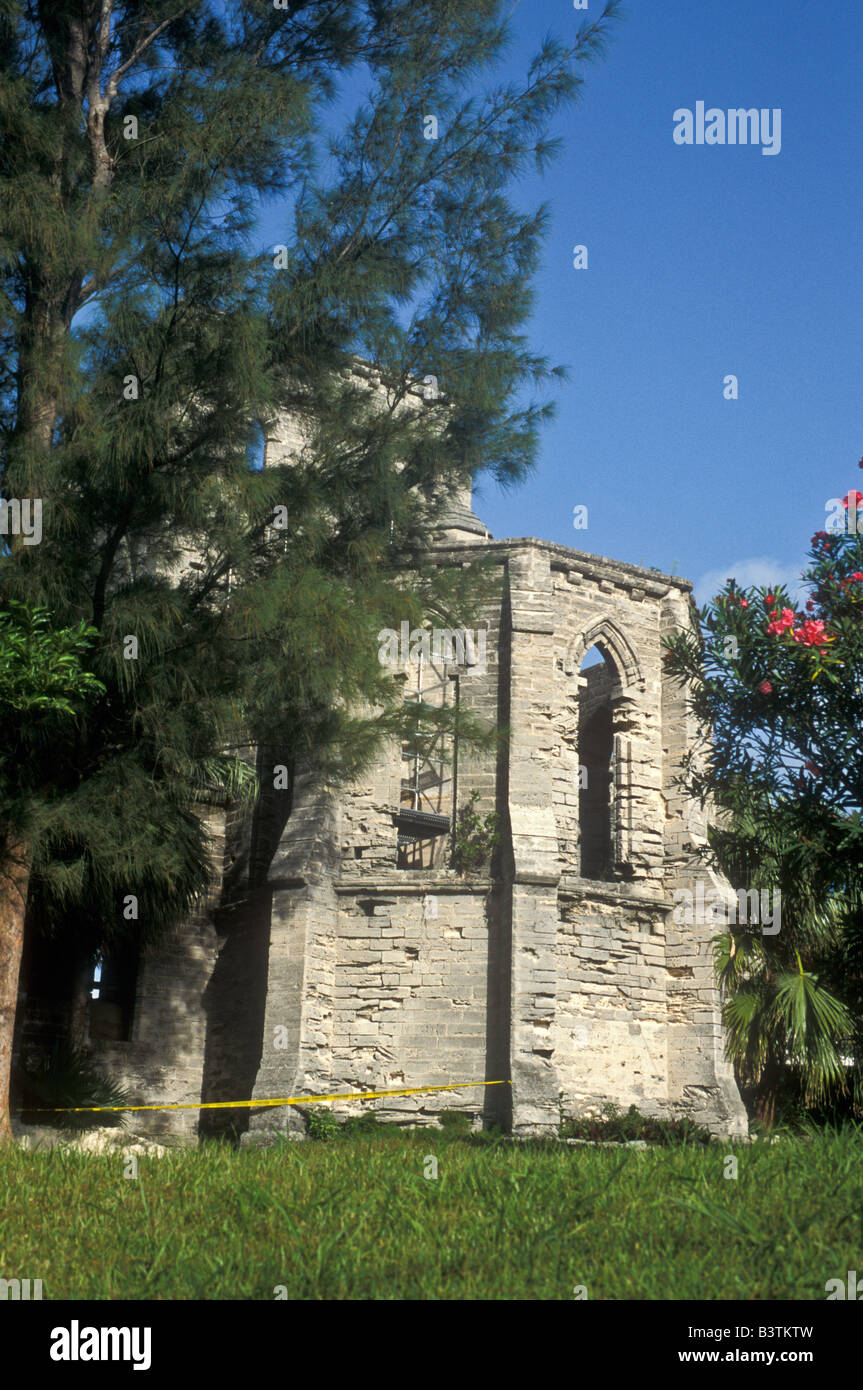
[(757, 570)]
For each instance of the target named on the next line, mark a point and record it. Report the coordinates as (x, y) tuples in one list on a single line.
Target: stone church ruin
[(343, 952)]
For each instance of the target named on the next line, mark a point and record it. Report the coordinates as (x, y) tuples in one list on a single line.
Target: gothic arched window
[(596, 808)]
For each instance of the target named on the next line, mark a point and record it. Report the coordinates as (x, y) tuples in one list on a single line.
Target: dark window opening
[(596, 810), (112, 993)]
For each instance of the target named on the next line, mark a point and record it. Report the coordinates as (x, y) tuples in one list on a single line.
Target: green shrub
[(474, 837), (66, 1077), (322, 1125), (613, 1125)]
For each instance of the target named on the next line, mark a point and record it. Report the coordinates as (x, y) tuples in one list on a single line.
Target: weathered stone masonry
[(326, 965)]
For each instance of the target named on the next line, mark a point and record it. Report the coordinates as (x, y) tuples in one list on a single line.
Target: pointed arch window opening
[(603, 756)]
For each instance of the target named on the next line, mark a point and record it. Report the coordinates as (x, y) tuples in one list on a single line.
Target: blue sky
[(704, 261)]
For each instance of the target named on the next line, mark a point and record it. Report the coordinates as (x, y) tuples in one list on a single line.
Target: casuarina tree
[(150, 343)]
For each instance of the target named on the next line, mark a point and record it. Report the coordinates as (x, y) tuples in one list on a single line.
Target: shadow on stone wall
[(497, 1108), (498, 1099), (236, 997), (234, 1002)]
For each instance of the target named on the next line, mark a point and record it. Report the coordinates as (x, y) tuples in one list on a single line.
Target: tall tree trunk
[(14, 883), (767, 1093), (80, 999), (41, 345)]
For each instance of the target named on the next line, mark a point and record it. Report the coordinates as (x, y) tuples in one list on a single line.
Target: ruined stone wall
[(388, 968), (340, 971), (609, 1035), (581, 990), (612, 962), (410, 990)]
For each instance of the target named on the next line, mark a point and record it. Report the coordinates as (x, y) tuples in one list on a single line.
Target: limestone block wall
[(367, 835), (609, 1034), (410, 992)]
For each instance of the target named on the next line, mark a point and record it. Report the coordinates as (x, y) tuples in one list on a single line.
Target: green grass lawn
[(356, 1218)]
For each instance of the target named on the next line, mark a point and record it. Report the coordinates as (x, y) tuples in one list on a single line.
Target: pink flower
[(770, 600), (744, 603), (812, 634), (784, 623), (765, 688)]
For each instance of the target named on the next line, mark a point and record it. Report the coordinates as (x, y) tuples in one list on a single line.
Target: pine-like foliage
[(148, 342)]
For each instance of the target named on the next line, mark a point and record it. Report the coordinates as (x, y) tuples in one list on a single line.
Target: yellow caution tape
[(284, 1100)]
